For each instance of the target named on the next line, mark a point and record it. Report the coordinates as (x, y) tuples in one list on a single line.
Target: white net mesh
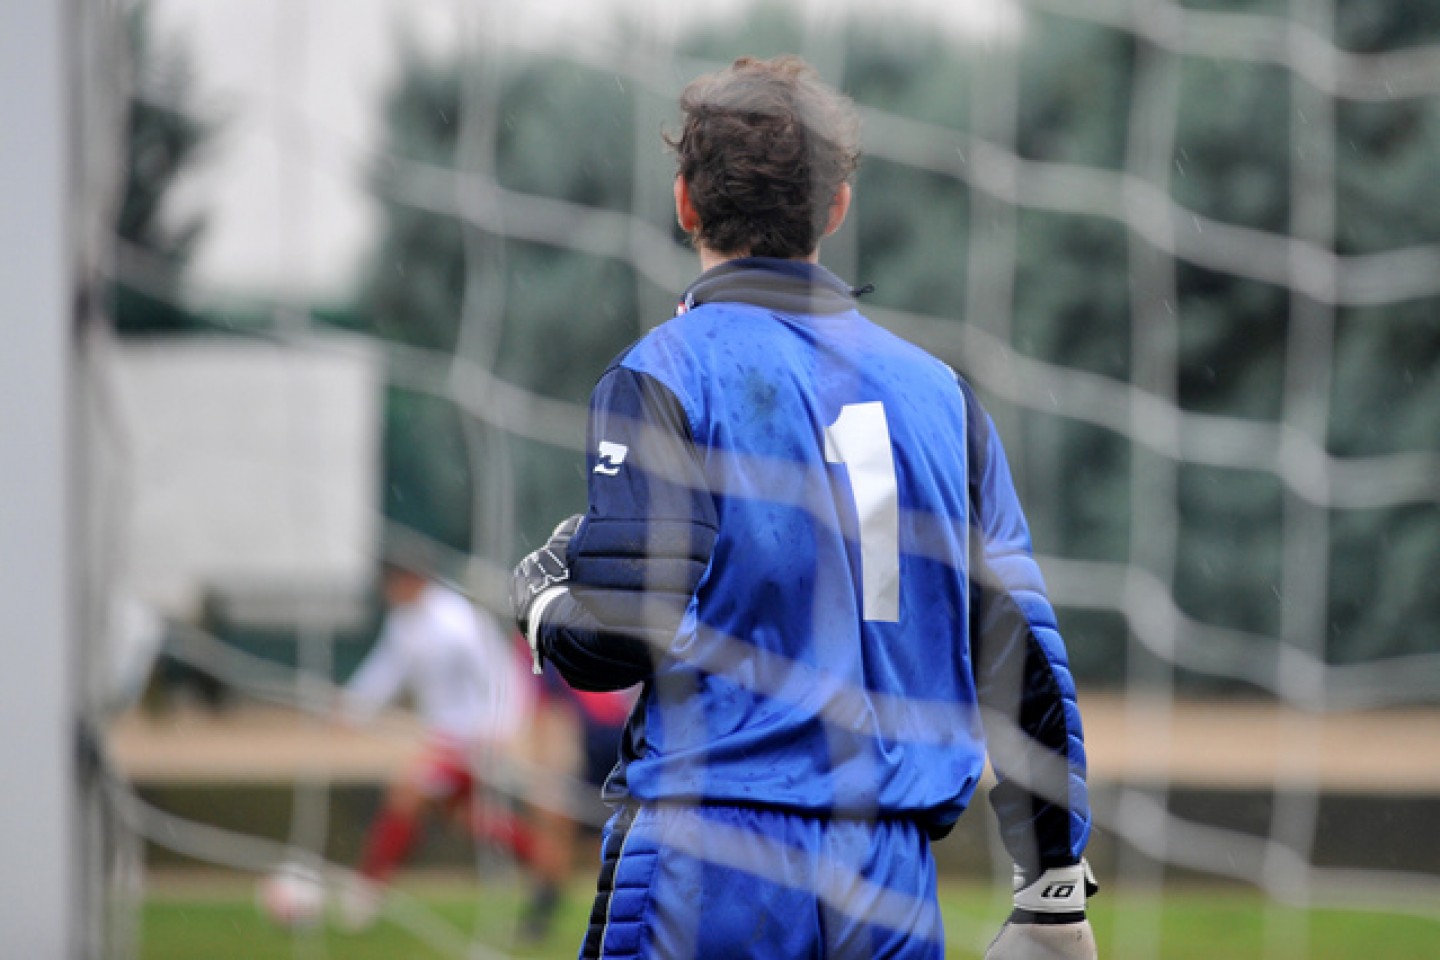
[(576, 219)]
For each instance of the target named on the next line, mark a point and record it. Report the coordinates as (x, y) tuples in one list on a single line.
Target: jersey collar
[(786, 286)]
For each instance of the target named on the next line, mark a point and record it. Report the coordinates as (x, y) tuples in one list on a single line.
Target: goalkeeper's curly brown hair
[(764, 147)]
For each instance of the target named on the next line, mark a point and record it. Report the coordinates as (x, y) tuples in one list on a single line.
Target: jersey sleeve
[(1027, 695), (644, 544), (379, 678)]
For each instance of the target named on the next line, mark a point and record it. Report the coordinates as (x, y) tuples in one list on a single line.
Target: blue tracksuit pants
[(712, 881)]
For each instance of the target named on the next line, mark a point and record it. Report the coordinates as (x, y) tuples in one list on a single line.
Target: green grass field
[(219, 921)]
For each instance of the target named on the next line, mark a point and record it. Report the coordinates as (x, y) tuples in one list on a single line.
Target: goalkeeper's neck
[(710, 259)]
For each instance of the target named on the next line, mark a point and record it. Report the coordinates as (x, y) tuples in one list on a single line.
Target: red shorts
[(444, 770)]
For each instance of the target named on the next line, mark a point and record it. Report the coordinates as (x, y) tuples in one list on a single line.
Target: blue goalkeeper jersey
[(803, 538)]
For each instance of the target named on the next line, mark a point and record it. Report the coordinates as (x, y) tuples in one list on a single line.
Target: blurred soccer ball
[(292, 897)]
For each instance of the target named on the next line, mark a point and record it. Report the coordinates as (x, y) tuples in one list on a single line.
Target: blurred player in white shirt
[(473, 696)]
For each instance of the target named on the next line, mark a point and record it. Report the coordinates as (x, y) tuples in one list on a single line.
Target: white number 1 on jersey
[(860, 439)]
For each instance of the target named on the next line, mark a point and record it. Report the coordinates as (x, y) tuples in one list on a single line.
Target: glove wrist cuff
[(536, 616), (1059, 890)]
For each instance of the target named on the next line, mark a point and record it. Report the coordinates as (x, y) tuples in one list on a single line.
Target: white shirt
[(456, 661)]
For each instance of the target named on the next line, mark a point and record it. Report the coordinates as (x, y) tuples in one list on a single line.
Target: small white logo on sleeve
[(612, 455)]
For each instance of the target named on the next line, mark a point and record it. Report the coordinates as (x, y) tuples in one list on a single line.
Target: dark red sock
[(391, 836), (505, 829)]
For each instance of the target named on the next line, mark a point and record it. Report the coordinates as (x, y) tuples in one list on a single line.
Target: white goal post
[(39, 816)]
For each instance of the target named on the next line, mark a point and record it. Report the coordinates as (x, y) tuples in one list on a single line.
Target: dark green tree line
[(165, 134)]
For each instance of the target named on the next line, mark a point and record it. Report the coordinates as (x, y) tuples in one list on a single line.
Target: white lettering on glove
[(1048, 922)]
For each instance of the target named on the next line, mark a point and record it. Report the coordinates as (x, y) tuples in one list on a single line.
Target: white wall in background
[(247, 461)]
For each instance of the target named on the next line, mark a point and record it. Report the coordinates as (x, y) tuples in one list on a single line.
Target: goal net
[(1186, 252)]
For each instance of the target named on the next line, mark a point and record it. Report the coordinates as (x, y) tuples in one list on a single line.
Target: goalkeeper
[(802, 538)]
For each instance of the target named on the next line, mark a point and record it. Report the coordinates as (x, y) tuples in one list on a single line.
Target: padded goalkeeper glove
[(1048, 922), (538, 580)]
